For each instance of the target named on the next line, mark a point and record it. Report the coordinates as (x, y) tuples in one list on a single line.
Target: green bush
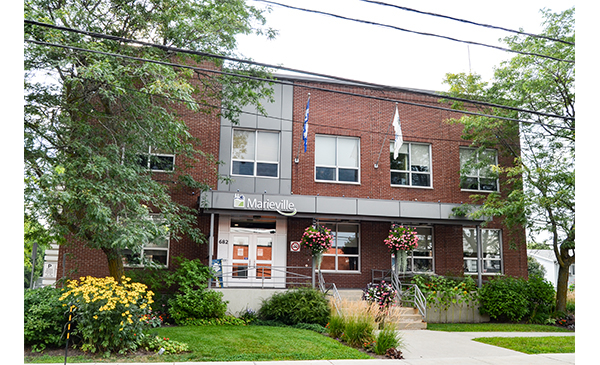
[(194, 301), (302, 305), (196, 304), (541, 295), (44, 318), (516, 299), (505, 299)]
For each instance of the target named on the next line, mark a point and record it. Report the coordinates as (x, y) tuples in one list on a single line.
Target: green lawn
[(493, 327), (240, 343), (533, 345)]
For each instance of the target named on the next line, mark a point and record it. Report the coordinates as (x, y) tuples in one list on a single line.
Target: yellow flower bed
[(110, 316)]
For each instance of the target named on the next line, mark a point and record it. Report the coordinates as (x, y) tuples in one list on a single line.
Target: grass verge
[(237, 343), (493, 327), (533, 345)]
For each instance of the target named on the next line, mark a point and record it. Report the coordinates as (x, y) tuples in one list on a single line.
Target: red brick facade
[(370, 120)]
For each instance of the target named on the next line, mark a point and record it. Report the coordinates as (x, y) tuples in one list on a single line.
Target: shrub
[(194, 301), (302, 305), (196, 304), (505, 298), (541, 296), (109, 316), (44, 318)]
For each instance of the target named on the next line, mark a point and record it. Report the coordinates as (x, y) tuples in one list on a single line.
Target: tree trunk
[(115, 263), (561, 288)]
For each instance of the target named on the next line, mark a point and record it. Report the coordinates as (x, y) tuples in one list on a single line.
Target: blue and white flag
[(305, 131), (398, 133)]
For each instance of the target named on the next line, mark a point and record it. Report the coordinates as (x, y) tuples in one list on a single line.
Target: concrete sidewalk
[(424, 347)]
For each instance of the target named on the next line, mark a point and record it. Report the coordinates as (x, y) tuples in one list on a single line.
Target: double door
[(252, 258)]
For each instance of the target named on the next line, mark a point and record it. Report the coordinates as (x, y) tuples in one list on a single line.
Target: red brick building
[(347, 180)]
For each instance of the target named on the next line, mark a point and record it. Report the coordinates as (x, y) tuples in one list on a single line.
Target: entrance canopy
[(333, 207)]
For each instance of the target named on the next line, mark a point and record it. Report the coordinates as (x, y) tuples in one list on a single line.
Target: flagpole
[(384, 138)]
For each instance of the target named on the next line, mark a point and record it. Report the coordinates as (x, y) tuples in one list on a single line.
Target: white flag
[(398, 132)]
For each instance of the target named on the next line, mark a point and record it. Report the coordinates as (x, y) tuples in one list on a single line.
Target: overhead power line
[(232, 59), (170, 64), (470, 22), (415, 32)]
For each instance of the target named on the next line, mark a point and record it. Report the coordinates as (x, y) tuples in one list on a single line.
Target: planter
[(455, 313)]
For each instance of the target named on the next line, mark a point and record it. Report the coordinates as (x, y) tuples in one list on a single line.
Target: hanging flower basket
[(317, 239), (400, 241)]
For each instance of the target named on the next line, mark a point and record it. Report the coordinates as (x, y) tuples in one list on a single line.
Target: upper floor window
[(337, 159), (255, 153), (157, 161), (491, 251), (476, 169), (412, 167)]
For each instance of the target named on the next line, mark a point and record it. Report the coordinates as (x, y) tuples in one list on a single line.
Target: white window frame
[(255, 161), (411, 257), (409, 171), (337, 166), (472, 261), (337, 255), (157, 218), (478, 172), (148, 156)]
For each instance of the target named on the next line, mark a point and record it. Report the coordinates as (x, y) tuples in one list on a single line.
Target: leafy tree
[(539, 188), (91, 118)]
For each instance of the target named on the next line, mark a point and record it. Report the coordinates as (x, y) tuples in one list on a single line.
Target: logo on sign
[(239, 201)]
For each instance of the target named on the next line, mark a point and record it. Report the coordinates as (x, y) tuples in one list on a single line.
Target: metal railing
[(330, 289), (406, 294), (261, 276)]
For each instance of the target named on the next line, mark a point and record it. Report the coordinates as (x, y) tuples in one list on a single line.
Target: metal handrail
[(278, 275), (411, 294), (326, 288)]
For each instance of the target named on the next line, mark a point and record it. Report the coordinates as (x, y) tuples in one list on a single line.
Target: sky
[(364, 52)]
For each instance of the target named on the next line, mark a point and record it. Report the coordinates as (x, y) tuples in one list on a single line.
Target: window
[(492, 253), (155, 252), (157, 161), (344, 252), (255, 153), (412, 167), (481, 176), (336, 159), (421, 258)]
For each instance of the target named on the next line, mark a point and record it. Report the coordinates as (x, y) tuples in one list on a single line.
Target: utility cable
[(470, 22), (227, 58), (293, 84), (416, 32)]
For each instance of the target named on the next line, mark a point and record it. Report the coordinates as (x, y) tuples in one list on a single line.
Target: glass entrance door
[(252, 251), (252, 257)]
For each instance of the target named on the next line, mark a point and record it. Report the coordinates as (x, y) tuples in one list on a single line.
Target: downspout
[(211, 240), (479, 257)]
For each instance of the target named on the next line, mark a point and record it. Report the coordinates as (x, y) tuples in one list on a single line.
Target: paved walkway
[(423, 347)]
